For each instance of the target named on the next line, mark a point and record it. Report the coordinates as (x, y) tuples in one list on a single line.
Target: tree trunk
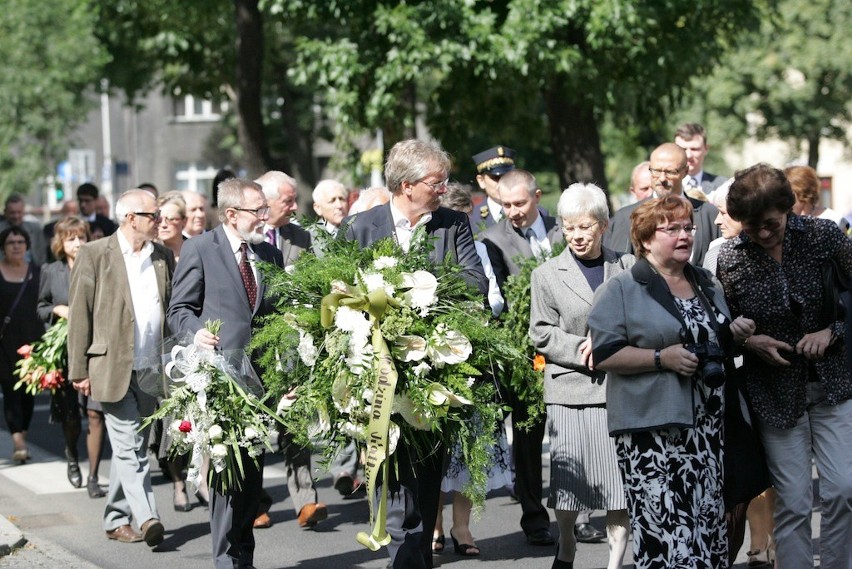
[(248, 87), (574, 138), (813, 149)]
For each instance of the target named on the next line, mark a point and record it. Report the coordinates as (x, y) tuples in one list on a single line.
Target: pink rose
[(25, 351)]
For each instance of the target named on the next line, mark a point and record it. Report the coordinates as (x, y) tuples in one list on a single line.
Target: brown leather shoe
[(312, 513), (124, 534), (262, 521), (152, 532)]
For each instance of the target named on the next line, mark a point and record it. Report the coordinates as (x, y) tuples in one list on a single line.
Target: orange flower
[(538, 362), (25, 351)]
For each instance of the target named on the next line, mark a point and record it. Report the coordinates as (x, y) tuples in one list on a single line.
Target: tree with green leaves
[(49, 59), (789, 79), (385, 64)]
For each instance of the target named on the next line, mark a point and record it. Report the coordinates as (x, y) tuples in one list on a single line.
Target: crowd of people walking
[(694, 348)]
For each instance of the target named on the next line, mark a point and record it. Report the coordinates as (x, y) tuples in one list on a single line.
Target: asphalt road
[(63, 525)]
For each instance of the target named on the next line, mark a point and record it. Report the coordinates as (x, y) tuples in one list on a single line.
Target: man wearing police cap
[(490, 165)]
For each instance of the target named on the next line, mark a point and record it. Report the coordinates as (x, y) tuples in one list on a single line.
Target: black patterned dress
[(673, 478)]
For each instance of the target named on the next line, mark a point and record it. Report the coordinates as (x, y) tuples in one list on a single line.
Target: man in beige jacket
[(120, 287)]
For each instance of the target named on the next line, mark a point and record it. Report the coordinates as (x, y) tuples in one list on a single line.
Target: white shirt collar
[(495, 210), (234, 240), (401, 221), (538, 228), (127, 248)]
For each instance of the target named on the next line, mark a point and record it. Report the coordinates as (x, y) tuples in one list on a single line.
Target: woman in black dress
[(20, 325), (70, 234)]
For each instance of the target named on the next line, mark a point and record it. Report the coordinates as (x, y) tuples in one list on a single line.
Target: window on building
[(194, 176), (190, 108)]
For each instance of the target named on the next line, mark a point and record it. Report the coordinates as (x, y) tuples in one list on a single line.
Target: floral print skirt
[(673, 481)]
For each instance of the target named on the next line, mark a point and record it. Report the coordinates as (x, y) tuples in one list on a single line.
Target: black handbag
[(834, 282)]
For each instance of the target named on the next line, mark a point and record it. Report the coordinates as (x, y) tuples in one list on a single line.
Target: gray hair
[(638, 170), (412, 160), (232, 193), (370, 198), (719, 196), (517, 177), (272, 180), (578, 200), (457, 197), (326, 186), (129, 202)]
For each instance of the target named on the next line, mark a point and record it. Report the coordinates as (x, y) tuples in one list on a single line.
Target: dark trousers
[(526, 453), (423, 480), (232, 517)]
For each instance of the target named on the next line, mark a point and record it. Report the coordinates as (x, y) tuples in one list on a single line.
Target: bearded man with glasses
[(668, 167)]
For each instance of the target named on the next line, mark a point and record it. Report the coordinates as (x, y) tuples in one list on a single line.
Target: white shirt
[(698, 177), (235, 241), (540, 246), (147, 305), (495, 299), (495, 210), (403, 228)]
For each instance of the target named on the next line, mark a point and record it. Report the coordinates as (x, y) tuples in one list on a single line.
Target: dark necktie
[(248, 275)]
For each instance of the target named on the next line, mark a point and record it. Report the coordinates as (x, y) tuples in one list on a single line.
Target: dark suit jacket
[(450, 229), (208, 286), (504, 243), (53, 289), (294, 240), (710, 182), (617, 235), (101, 317)]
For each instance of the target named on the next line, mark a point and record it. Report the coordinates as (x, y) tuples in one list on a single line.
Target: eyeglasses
[(437, 185), (258, 211), (674, 230), (152, 215), (173, 219), (771, 225), (668, 173), (582, 229)]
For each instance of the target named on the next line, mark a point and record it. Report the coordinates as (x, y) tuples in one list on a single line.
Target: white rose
[(219, 451), (250, 433), (215, 433), (175, 426)]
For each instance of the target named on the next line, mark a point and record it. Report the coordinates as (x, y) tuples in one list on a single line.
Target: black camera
[(711, 362)]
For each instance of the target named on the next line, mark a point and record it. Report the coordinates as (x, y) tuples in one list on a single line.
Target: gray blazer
[(617, 236), (207, 286), (559, 324), (504, 244), (635, 308), (710, 182), (450, 230)]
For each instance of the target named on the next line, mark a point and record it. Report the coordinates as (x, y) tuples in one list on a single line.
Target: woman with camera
[(783, 271), (661, 332)]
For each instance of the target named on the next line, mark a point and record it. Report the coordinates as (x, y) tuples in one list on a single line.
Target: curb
[(11, 537)]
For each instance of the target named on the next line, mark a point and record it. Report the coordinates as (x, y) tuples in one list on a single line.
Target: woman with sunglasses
[(778, 272)]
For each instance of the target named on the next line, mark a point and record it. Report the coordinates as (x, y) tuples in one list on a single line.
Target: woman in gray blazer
[(662, 331), (583, 469)]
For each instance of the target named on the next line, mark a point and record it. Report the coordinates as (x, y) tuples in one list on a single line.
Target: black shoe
[(587, 533), (75, 477), (557, 564), (540, 537), (94, 489)]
